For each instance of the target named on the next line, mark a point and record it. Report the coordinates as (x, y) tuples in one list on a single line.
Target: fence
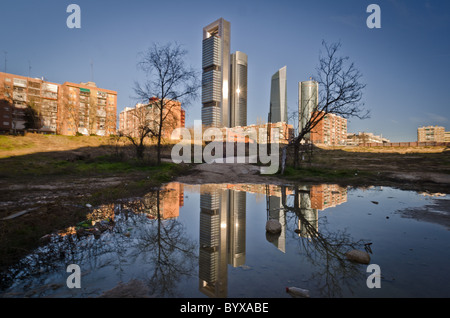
[(406, 144)]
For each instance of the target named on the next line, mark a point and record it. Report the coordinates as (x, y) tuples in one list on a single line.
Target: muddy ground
[(34, 203)]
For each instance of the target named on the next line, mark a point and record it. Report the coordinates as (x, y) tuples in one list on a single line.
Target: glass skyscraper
[(308, 99), (238, 89), (278, 97), (216, 74), (224, 79)]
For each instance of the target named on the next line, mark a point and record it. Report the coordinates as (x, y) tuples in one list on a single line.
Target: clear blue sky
[(405, 64)]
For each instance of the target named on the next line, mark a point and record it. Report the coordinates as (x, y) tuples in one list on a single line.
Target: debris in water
[(297, 292)]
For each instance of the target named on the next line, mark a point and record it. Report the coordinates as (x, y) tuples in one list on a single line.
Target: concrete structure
[(308, 100), (431, 133), (364, 138), (34, 104), (238, 89), (216, 74), (331, 130), (148, 115), (278, 97)]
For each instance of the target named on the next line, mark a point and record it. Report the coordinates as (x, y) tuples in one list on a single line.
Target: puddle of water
[(211, 241)]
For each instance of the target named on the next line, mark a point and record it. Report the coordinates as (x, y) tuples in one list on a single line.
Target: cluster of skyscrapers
[(224, 79), (224, 87)]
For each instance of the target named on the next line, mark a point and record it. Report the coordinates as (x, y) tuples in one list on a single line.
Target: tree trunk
[(140, 151), (160, 130), (296, 154)]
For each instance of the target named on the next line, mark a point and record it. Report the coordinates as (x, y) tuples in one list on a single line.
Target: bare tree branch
[(340, 93), (168, 81)]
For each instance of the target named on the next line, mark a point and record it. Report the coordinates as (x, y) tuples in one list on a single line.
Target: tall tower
[(278, 97), (308, 100), (216, 74), (238, 89)]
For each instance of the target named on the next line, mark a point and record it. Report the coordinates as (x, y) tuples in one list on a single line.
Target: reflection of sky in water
[(412, 254)]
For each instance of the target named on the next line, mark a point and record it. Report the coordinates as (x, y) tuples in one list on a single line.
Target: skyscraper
[(238, 89), (308, 99), (216, 74), (278, 97)]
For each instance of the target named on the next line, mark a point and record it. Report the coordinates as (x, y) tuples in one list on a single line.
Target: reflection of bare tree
[(160, 246), (166, 246), (324, 249)]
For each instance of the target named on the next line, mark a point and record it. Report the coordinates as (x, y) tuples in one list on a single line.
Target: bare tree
[(325, 249), (92, 107), (142, 127), (168, 80), (340, 93), (33, 114), (70, 111)]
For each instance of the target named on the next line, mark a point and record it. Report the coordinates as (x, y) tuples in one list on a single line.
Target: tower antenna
[(6, 53), (92, 71)]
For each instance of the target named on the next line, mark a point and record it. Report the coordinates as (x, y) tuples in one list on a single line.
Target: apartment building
[(431, 133), (87, 109), (28, 103), (34, 104), (331, 130), (148, 115)]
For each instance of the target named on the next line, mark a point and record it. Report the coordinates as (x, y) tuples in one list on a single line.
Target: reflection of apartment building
[(171, 198), (35, 104), (331, 130), (431, 133), (363, 138), (148, 115), (325, 196)]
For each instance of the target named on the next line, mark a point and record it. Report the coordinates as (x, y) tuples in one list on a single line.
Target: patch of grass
[(324, 174), (45, 165), (151, 177), (14, 142)]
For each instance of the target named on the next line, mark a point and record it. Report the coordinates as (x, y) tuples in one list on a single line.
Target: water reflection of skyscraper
[(223, 222), (222, 237)]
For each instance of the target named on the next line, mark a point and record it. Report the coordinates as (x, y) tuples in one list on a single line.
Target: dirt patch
[(227, 173)]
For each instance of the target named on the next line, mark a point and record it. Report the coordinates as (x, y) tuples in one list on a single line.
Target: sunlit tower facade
[(278, 97), (216, 74), (238, 89), (308, 100)]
